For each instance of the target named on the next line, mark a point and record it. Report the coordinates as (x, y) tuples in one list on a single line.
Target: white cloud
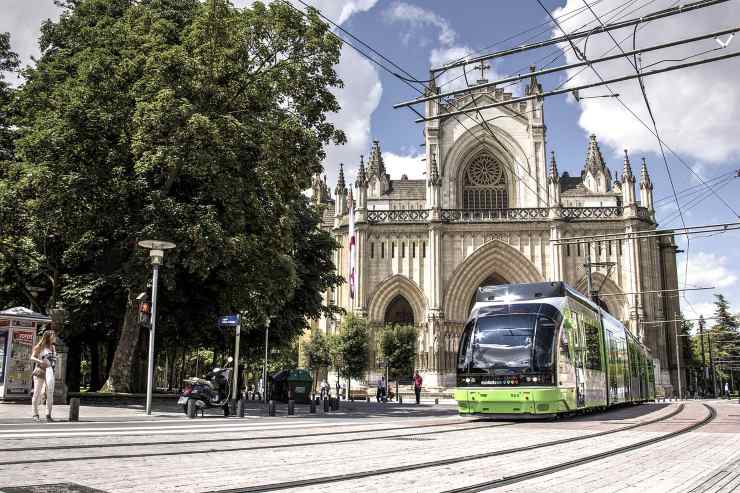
[(706, 269), (358, 98), (336, 10), (23, 19), (695, 310), (418, 18), (410, 165), (697, 109)]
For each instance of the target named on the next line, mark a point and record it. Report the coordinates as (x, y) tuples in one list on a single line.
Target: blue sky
[(697, 110)]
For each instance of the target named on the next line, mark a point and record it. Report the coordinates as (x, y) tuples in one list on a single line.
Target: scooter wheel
[(191, 408)]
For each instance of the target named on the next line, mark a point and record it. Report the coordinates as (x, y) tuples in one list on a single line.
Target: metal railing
[(494, 215), (394, 216), (521, 214)]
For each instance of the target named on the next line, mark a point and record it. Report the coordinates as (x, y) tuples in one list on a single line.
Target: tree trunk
[(74, 357), (173, 377), (95, 374), (110, 351), (119, 377)]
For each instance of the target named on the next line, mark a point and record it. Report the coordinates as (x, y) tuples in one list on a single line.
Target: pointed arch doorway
[(399, 312), (493, 279)]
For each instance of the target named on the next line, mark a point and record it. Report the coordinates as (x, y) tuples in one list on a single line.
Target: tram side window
[(464, 353), (543, 341), (593, 352)]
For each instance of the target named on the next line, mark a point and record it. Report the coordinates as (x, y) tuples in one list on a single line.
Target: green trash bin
[(298, 382)]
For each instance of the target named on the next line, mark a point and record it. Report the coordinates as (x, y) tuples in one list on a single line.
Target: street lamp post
[(156, 252), (264, 369)]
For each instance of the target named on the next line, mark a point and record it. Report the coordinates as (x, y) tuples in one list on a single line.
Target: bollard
[(400, 399), (321, 406), (436, 401), (312, 407), (74, 409), (241, 408), (291, 407), (232, 407), (336, 404), (326, 405), (271, 408)]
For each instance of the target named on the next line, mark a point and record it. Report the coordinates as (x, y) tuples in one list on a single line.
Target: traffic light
[(145, 308)]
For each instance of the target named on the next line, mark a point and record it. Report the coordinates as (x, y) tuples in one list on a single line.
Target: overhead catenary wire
[(560, 68), (648, 233), (398, 67), (582, 34)]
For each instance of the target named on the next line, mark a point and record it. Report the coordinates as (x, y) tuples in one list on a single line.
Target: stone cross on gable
[(483, 67)]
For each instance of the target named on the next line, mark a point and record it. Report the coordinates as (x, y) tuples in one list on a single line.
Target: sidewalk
[(132, 410)]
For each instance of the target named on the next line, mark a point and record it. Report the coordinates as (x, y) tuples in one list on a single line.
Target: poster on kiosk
[(17, 336)]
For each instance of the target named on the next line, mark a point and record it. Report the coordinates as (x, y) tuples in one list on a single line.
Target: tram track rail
[(301, 483), (518, 478), (235, 449)]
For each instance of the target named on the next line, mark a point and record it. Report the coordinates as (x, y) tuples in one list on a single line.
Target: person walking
[(44, 354), (417, 386), (380, 396)]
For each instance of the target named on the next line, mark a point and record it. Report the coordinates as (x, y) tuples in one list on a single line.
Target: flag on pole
[(352, 281)]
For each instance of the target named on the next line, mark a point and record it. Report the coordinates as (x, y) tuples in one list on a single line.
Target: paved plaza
[(373, 447)]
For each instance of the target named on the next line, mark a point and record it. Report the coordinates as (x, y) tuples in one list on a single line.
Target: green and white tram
[(544, 349)]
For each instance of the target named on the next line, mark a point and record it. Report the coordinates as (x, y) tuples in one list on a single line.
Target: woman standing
[(45, 356)]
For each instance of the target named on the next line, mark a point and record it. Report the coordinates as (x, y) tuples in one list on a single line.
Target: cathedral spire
[(594, 159), (627, 172), (341, 185), (628, 185), (596, 176), (534, 87), (376, 166), (553, 167), (645, 181), (361, 176)]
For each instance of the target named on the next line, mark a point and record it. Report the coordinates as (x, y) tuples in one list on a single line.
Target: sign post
[(233, 321)]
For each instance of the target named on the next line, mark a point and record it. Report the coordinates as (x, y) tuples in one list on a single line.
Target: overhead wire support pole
[(560, 68), (585, 86), (679, 9)]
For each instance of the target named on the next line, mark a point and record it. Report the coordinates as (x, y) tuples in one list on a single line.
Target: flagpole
[(352, 245)]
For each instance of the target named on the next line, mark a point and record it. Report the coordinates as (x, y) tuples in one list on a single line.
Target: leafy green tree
[(399, 345), (353, 341), (317, 353), (725, 339), (198, 123)]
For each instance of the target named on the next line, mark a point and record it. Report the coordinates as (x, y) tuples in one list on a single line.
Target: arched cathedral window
[(484, 184)]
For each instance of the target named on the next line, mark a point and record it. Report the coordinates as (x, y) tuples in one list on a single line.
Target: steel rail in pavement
[(434, 463), (235, 449), (517, 478)]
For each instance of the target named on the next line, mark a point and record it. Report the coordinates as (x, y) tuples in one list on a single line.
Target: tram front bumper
[(508, 400)]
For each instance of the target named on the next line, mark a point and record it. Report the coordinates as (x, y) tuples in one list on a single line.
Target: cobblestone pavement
[(122, 450)]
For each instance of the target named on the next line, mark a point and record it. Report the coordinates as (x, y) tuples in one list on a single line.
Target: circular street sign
[(156, 245)]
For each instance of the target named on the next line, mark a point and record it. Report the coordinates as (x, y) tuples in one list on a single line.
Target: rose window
[(484, 184)]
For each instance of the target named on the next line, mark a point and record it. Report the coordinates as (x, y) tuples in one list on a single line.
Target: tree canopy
[(399, 345), (197, 123)]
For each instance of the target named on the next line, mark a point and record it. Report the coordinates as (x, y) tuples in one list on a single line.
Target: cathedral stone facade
[(487, 213)]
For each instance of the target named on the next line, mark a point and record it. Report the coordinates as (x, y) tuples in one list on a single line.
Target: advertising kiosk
[(17, 336)]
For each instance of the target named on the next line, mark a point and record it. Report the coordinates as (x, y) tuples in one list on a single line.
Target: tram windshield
[(522, 342)]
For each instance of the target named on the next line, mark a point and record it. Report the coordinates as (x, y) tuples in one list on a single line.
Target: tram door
[(580, 345)]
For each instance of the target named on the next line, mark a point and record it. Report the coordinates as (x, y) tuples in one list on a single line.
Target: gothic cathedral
[(487, 213)]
